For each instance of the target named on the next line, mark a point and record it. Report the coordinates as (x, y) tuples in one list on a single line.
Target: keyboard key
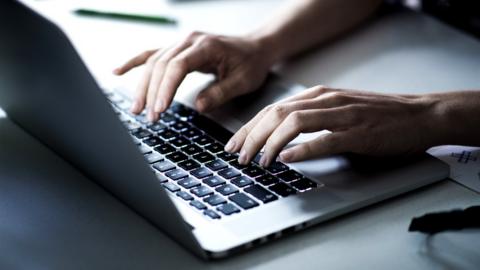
[(201, 172), (167, 118), (161, 177), (212, 128), (144, 149), (216, 165), (211, 214), (156, 127), (188, 183), (189, 164), (242, 181), (180, 126), (214, 148), (203, 140), (253, 171), (171, 187), (203, 157), (267, 180), (176, 156), (180, 141), (227, 156), (153, 157), (197, 204), (243, 201), (192, 132), (260, 193), (215, 200), (229, 173), (237, 165), (201, 191), (192, 149), (163, 166), (182, 111), (228, 209), (168, 134), (142, 118), (214, 181), (141, 133), (132, 126), (227, 189), (276, 167), (176, 174), (303, 184), (282, 189), (153, 141), (185, 195), (164, 149), (289, 175)]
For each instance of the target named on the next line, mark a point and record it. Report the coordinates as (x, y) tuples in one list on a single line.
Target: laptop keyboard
[(185, 150)]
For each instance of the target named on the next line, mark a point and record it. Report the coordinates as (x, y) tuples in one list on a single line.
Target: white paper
[(464, 163)]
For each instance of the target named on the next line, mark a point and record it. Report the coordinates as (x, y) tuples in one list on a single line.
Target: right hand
[(240, 65)]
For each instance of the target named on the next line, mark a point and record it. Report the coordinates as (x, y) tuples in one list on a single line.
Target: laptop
[(174, 172)]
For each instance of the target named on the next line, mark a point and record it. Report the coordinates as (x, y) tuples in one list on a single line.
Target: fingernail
[(286, 155), (115, 71), (230, 145), (242, 159)]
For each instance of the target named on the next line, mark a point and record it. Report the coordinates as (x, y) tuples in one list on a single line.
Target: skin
[(385, 124)]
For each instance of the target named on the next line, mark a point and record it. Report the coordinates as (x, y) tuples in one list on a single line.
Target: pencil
[(125, 16)]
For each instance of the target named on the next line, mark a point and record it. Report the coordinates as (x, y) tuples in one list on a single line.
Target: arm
[(240, 64), (304, 24)]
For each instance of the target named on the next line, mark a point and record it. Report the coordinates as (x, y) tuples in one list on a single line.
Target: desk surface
[(60, 220)]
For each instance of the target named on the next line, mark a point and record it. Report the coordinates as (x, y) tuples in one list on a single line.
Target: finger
[(303, 121), (177, 69), (158, 72), (134, 62), (236, 142), (221, 92), (259, 134), (141, 91), (309, 93), (324, 145)]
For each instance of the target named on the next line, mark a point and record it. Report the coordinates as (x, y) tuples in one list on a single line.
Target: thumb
[(219, 93)]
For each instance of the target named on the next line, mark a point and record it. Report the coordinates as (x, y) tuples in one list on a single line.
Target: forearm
[(457, 117), (303, 24)]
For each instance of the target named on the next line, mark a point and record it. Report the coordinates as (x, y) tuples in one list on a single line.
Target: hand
[(240, 65), (360, 122)]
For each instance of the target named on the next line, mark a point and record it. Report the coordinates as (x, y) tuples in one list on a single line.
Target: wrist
[(440, 121), (267, 46)]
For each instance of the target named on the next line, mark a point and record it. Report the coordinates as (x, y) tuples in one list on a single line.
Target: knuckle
[(193, 35), (320, 89), (279, 110), (179, 63), (295, 120), (339, 98)]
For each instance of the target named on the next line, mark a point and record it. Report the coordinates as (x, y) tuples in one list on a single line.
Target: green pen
[(125, 16)]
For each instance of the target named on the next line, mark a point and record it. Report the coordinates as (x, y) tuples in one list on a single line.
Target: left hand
[(360, 122)]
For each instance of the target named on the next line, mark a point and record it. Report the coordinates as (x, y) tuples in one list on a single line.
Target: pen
[(125, 16)]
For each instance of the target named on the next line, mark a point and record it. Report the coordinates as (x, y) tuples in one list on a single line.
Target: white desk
[(63, 221)]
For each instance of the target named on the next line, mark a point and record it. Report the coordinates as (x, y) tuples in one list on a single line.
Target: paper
[(464, 163)]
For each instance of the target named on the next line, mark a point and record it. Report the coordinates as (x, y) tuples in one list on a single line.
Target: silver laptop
[(175, 172)]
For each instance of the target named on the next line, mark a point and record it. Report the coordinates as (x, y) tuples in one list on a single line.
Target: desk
[(61, 220)]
